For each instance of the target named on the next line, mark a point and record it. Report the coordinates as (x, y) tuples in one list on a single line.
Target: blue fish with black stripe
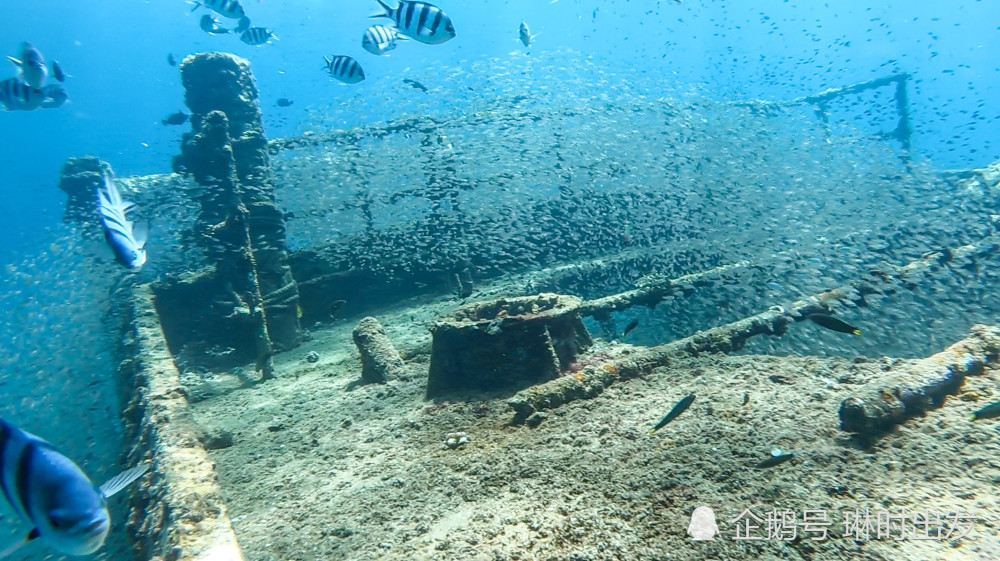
[(420, 21), (54, 495)]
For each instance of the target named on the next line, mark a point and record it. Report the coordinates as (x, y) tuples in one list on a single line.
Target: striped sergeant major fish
[(31, 66), (52, 493), (257, 36), (127, 241), (15, 95), (231, 9), (380, 39), (345, 69), (420, 21)]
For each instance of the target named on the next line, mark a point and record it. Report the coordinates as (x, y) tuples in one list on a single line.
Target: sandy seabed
[(323, 468)]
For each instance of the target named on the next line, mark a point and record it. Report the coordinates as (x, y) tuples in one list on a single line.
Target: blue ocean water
[(121, 87)]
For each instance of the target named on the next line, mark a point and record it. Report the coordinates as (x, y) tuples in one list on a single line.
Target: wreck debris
[(506, 343), (918, 386), (456, 439), (79, 178), (240, 227), (653, 291), (379, 358), (181, 514), (466, 286), (591, 381), (820, 101)]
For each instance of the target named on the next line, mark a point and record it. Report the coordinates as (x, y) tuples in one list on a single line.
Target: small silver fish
[(128, 241), (345, 69), (681, 407), (53, 495), (380, 39), (31, 65)]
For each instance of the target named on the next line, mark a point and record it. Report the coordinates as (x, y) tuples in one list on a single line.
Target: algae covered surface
[(322, 467)]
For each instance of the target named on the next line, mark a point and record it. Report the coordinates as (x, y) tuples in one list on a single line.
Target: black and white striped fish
[(345, 69), (420, 21), (128, 241), (53, 495), (31, 65), (231, 9), (15, 95), (257, 36), (380, 39)]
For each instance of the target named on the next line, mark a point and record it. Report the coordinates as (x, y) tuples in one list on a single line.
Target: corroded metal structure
[(250, 294), (182, 514), (506, 343), (254, 289)]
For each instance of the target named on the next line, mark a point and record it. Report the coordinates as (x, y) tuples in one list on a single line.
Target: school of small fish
[(82, 522)]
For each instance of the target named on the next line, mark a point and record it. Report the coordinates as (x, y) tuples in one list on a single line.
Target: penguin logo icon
[(703, 526)]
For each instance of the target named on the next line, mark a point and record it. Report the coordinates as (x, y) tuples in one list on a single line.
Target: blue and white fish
[(231, 9), (57, 71), (525, 34), (31, 65), (345, 69), (257, 36), (420, 21), (15, 95), (55, 96), (380, 39), (209, 24), (128, 241), (52, 493)]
